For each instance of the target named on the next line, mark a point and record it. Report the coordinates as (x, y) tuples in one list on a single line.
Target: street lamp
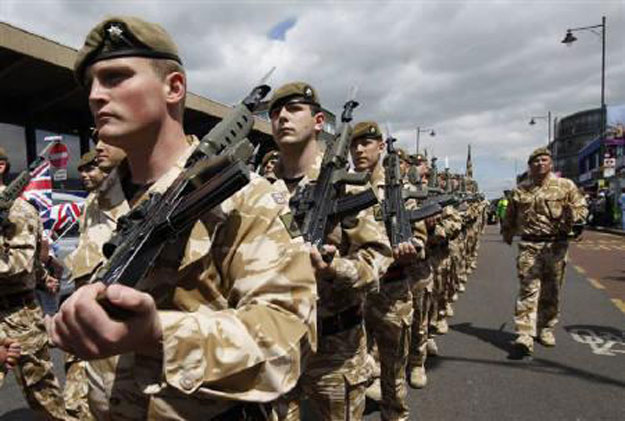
[(570, 38), (543, 117), (421, 129)]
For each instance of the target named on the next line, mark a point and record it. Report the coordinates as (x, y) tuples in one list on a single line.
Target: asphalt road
[(582, 378)]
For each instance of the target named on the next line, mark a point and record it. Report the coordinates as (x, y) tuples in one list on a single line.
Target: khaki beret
[(538, 152), (124, 36), (86, 159), (367, 129), (3, 154), (301, 90), (419, 158), (269, 156), (403, 155)]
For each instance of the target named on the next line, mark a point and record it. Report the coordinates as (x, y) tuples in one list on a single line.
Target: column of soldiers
[(239, 318)]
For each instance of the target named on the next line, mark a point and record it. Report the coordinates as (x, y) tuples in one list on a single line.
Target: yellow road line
[(595, 283), (619, 303), (579, 269)]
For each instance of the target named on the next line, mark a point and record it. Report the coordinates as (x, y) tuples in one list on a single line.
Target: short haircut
[(165, 67)]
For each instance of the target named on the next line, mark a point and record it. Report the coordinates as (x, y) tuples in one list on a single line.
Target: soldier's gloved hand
[(83, 328), (322, 261)]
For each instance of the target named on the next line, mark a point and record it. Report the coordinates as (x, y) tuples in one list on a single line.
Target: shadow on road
[(22, 414), (498, 338)]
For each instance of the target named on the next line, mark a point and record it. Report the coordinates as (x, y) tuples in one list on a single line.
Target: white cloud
[(476, 71)]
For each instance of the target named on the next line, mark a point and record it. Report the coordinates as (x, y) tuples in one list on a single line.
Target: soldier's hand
[(407, 252), (322, 261), (52, 284), (83, 328), (10, 351)]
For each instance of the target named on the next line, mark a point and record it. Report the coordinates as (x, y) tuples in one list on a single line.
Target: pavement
[(582, 378)]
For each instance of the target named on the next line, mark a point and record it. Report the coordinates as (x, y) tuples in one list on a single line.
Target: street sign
[(59, 155)]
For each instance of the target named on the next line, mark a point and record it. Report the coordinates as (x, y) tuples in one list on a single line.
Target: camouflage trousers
[(34, 373), (541, 274), (471, 247), (76, 390), (422, 298), (441, 292), (388, 319), (336, 377), (458, 270)]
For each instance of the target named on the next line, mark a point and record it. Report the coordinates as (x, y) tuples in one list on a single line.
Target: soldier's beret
[(538, 152), (403, 155), (124, 36), (3, 154), (86, 159), (269, 156), (301, 91), (418, 158), (367, 129)]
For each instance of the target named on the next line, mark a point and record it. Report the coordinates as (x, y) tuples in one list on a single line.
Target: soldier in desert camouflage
[(236, 315), (543, 211), (336, 378), (21, 317)]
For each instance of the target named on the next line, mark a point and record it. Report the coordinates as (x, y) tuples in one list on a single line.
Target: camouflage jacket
[(549, 209), (364, 252), (100, 217), (237, 305), (20, 266)]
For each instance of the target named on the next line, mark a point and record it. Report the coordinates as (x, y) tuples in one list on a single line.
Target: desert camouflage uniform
[(236, 298), (100, 221), (389, 315), (336, 377), (20, 269), (542, 215)]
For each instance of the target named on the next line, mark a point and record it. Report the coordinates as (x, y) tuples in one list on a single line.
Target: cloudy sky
[(475, 71)]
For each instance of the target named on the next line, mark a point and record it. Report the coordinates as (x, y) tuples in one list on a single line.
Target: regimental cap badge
[(372, 130), (308, 92), (115, 32)]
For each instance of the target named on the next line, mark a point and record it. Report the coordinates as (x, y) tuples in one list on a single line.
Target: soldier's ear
[(175, 87), (320, 119)]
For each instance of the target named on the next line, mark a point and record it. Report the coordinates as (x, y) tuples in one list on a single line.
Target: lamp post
[(570, 38), (543, 117), (421, 129)]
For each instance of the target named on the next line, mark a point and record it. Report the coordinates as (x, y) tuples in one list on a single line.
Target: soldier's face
[(269, 166), (3, 167), (540, 166), (404, 166), (127, 98), (294, 124), (365, 153), (91, 177), (107, 156)]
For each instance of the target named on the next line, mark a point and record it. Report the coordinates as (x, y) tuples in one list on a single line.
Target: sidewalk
[(615, 231)]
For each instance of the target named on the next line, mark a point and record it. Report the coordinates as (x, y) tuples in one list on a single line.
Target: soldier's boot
[(524, 344), (449, 310), (442, 327), (454, 297), (374, 392), (418, 378), (547, 338), (461, 287), (431, 347)]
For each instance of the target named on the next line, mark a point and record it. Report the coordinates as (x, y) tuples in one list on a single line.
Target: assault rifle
[(215, 171), (314, 204), (397, 219), (15, 188)]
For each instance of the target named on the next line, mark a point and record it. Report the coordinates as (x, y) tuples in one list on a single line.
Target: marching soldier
[(336, 377), (235, 316), (21, 317), (543, 211), (388, 313)]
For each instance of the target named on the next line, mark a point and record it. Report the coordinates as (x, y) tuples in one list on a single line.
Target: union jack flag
[(39, 191), (59, 217)]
